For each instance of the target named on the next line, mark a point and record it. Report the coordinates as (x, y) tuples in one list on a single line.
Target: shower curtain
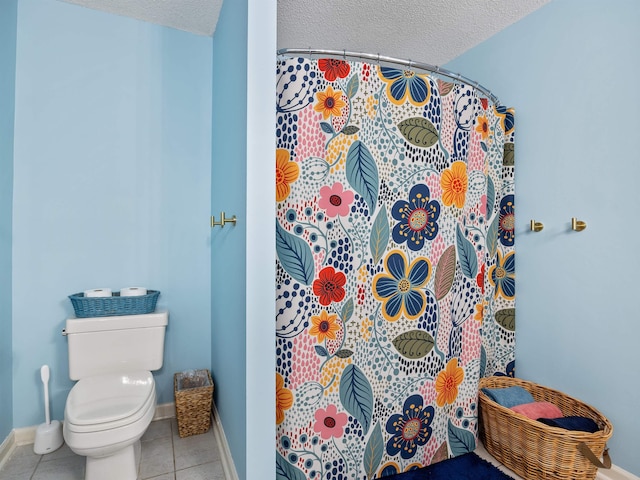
[(395, 266)]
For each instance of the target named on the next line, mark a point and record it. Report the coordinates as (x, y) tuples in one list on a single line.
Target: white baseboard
[(615, 473), (228, 466), (6, 448), (165, 410)]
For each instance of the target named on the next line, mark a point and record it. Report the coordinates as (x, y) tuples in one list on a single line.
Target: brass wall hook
[(223, 220), (578, 225), (536, 226)]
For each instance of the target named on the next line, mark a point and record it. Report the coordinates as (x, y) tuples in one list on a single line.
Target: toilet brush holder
[(49, 434), (48, 437)]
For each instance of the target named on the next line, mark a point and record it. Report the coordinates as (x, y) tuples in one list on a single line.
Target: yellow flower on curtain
[(447, 383), (483, 127), (329, 102), (286, 173), (454, 184), (324, 326), (284, 399)]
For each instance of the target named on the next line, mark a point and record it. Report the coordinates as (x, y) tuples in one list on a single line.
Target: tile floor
[(164, 456)]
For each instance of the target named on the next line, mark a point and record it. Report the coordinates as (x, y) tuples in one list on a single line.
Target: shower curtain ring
[(344, 55), (378, 58), (411, 65)]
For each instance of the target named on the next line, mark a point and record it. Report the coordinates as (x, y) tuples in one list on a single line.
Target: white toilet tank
[(125, 343)]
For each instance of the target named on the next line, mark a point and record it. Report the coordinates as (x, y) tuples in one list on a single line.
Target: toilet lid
[(108, 398)]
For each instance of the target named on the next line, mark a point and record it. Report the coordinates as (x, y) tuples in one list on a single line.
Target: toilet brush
[(48, 434)]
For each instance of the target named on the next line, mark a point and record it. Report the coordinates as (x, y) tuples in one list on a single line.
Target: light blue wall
[(8, 23), (228, 244), (570, 70), (112, 184), (261, 238)]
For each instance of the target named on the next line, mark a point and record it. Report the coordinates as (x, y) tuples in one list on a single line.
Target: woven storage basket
[(114, 305), (193, 405), (536, 451)]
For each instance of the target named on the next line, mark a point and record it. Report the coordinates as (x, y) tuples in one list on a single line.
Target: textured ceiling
[(196, 16), (429, 31)]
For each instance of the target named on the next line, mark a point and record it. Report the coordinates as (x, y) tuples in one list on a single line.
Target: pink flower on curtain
[(335, 200), (329, 423)]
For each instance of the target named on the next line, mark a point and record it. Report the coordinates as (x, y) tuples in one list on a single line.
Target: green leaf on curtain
[(294, 255), (508, 159), (483, 361), (344, 353), (327, 128), (321, 351), (419, 131), (352, 86), (506, 318), (379, 237), (445, 272), (350, 130), (286, 471), (347, 310), (373, 451), (491, 196), (466, 255), (461, 441), (356, 396), (362, 173), (492, 236), (414, 344)]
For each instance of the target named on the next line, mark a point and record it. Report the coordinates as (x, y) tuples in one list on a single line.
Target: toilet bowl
[(111, 406)]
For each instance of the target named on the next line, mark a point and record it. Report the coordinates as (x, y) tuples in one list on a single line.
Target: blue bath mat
[(464, 467)]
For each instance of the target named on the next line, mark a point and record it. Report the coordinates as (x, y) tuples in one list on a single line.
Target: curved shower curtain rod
[(344, 54)]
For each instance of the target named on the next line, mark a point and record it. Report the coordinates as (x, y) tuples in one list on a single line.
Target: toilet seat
[(109, 401)]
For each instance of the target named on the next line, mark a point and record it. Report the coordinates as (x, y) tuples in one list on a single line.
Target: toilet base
[(122, 465)]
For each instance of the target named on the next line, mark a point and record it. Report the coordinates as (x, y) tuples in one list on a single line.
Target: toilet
[(114, 399)]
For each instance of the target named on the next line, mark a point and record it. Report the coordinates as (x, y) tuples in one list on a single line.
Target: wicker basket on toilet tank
[(536, 451)]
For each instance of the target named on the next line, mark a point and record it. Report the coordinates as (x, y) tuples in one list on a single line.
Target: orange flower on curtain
[(329, 102), (454, 184), (329, 286), (483, 127), (448, 381), (286, 173), (324, 326), (284, 399), (333, 68)]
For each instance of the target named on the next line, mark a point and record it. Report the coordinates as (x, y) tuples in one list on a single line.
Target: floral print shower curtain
[(395, 266)]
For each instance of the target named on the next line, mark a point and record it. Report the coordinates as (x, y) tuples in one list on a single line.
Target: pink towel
[(536, 410)]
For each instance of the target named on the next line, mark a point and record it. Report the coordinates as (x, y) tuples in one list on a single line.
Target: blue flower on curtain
[(502, 275), (409, 429), (507, 223), (400, 291), (405, 84), (416, 218)]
